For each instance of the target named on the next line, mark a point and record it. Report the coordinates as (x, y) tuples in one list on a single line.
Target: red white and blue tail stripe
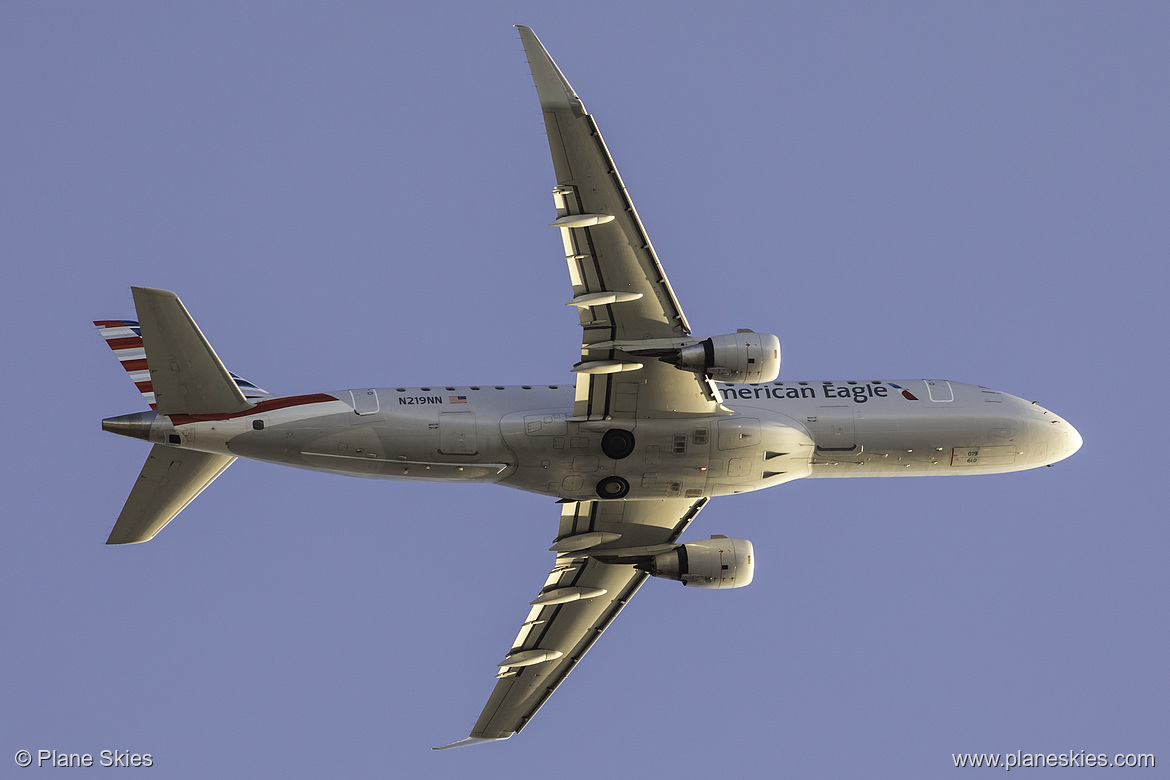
[(125, 339), (250, 391)]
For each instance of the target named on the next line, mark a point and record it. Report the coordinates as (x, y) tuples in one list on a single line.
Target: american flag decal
[(456, 399)]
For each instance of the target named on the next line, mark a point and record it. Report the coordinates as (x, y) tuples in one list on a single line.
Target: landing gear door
[(832, 428), (457, 433)]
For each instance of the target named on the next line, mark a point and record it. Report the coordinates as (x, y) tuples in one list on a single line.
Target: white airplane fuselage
[(525, 436)]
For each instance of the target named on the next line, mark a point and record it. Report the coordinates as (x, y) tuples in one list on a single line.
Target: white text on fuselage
[(856, 393)]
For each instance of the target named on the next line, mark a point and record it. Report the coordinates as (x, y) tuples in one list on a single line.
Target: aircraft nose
[(1053, 438), (1074, 440)]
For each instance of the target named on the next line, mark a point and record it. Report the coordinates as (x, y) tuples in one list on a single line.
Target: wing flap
[(616, 255), (521, 691), (627, 303), (566, 631)]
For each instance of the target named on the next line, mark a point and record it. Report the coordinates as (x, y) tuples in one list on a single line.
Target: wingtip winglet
[(552, 87), (470, 741)]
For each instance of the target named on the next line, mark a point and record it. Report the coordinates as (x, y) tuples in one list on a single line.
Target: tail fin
[(170, 361), (177, 372), (170, 480), (125, 338), (250, 391)]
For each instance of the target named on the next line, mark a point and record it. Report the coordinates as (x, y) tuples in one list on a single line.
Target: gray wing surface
[(580, 598), (624, 298)]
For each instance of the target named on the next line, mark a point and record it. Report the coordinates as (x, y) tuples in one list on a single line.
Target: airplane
[(657, 423)]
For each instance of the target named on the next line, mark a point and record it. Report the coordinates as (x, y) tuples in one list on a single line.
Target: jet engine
[(717, 562), (743, 356)]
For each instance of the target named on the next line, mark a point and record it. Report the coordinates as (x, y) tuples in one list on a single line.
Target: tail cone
[(135, 425)]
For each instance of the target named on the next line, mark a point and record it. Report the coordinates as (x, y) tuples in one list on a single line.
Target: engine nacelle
[(743, 356), (717, 562)]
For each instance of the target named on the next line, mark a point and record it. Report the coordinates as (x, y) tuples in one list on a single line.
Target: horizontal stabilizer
[(186, 375), (170, 480)]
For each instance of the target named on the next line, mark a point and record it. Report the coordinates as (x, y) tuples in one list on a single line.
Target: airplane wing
[(624, 299), (629, 317), (580, 598)]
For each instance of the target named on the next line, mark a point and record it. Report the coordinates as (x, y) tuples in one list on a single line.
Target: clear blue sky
[(350, 194)]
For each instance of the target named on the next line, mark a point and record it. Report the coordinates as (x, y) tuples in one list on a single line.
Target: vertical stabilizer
[(124, 337), (186, 376)]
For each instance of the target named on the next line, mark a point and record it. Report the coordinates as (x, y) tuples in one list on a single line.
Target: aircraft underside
[(655, 423), (764, 439)]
